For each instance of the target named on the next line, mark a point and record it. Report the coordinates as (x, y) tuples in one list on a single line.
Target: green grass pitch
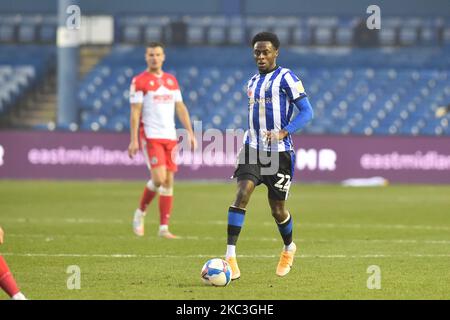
[(340, 232)]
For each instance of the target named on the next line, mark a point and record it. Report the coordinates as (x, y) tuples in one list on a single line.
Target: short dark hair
[(155, 44), (267, 36)]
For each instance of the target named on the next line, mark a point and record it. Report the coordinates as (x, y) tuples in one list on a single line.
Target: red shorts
[(160, 152)]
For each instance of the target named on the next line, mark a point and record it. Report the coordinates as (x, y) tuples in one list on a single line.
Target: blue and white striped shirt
[(270, 107)]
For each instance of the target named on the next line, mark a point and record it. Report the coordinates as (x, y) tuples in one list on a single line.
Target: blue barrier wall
[(249, 7), (117, 7), (348, 7)]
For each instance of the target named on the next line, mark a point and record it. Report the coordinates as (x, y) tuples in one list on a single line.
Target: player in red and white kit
[(155, 97), (7, 282)]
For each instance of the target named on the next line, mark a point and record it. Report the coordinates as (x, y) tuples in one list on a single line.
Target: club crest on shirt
[(268, 85), (154, 160), (170, 82), (299, 86), (152, 83)]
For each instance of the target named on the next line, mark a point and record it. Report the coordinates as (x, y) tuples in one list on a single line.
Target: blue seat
[(27, 33), (408, 36), (429, 36), (323, 36), (195, 34), (302, 34), (217, 35), (47, 33), (7, 33), (236, 31), (132, 34), (366, 95), (446, 35), (284, 34), (388, 36)]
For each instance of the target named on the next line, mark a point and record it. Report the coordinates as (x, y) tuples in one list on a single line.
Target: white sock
[(139, 211), (151, 186), (289, 247), (231, 251), (165, 191), (286, 220), (18, 296), (163, 227)]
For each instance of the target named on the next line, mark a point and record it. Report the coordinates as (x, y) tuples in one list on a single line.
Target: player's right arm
[(135, 118), (136, 101), (1, 235)]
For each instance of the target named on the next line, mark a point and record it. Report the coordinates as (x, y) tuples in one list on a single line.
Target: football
[(216, 272)]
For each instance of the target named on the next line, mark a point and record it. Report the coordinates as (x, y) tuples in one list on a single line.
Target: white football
[(216, 272)]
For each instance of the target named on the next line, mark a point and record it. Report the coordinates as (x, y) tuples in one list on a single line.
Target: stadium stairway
[(39, 108), (90, 56)]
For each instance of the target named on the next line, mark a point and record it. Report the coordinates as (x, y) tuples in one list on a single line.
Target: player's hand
[(275, 135), (1, 235), (192, 142), (133, 148), (440, 112)]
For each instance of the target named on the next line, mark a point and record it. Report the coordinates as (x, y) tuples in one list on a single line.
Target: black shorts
[(274, 169)]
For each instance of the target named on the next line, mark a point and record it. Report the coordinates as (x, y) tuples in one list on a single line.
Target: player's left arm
[(293, 88), (183, 115), (304, 116), (1, 235)]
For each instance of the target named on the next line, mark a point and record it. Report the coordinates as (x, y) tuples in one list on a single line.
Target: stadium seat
[(446, 36), (153, 33), (429, 36), (301, 36), (27, 33), (408, 36), (195, 34), (236, 31), (375, 92), (216, 35), (388, 36), (236, 35), (47, 34), (132, 34), (323, 36), (7, 33)]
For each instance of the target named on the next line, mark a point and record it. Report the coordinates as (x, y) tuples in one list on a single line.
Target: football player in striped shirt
[(267, 156)]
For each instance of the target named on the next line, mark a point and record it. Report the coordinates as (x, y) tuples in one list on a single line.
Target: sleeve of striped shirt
[(304, 116), (293, 86)]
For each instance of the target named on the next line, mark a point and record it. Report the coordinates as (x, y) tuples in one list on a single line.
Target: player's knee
[(278, 213), (242, 198), (159, 180), (168, 183)]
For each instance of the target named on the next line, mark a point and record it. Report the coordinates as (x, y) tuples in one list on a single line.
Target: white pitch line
[(376, 226), (156, 256), (49, 238), (224, 222), (64, 220)]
